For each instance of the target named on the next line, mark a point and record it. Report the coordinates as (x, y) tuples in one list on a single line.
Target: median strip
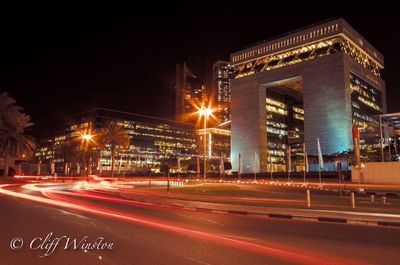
[(284, 216), (333, 220), (328, 216)]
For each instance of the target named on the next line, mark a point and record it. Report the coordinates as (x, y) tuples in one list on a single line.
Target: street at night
[(154, 234), (199, 132)]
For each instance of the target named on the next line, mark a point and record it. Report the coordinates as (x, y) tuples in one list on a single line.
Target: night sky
[(57, 60)]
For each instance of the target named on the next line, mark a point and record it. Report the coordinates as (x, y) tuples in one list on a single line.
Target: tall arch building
[(315, 82)]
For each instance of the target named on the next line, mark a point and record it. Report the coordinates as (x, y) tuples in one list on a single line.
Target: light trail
[(164, 180), (301, 183), (87, 194), (90, 195), (120, 188), (291, 254), (211, 197)]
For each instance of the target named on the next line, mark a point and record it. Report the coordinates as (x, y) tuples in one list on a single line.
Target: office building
[(190, 91), (154, 141), (222, 73), (315, 82)]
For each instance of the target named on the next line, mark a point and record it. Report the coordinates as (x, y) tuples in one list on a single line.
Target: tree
[(13, 123), (114, 136), (73, 154), (92, 156), (168, 163)]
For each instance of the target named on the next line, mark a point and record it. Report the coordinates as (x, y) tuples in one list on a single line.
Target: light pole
[(205, 111), (86, 138)]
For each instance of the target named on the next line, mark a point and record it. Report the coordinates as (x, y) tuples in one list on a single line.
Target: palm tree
[(13, 141), (13, 144), (93, 157), (75, 152), (114, 136), (8, 111)]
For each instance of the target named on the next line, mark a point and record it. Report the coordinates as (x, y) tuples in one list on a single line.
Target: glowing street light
[(206, 112), (86, 137)]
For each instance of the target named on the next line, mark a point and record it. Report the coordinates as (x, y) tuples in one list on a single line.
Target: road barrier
[(353, 201)]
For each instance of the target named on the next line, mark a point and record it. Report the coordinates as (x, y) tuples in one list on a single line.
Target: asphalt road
[(149, 234)]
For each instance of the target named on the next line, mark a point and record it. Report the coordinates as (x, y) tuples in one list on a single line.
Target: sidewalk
[(345, 217)]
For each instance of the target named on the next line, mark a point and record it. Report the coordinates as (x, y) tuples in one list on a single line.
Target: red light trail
[(270, 249)]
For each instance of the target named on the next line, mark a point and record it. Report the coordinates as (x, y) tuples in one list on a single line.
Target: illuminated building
[(190, 91), (222, 73), (218, 146), (315, 82), (51, 150), (154, 141), (285, 127), (218, 142)]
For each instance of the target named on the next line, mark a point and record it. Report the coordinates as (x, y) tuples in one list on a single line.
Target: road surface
[(143, 233)]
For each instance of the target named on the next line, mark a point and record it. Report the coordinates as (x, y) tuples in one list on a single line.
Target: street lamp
[(206, 112), (86, 137)]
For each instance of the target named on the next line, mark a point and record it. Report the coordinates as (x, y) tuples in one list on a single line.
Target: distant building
[(218, 143), (154, 141), (190, 92), (50, 150), (222, 73), (315, 82)]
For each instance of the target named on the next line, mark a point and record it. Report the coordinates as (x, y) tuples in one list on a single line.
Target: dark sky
[(65, 58)]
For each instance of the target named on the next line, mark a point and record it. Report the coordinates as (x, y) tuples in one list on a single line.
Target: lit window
[(298, 110), (298, 116)]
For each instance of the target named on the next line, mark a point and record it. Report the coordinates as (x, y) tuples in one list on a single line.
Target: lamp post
[(86, 139), (205, 111)]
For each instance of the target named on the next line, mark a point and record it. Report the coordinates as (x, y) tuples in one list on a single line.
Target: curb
[(298, 217), (322, 219)]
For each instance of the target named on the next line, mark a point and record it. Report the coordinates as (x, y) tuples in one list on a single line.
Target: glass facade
[(285, 128), (153, 141), (222, 74), (367, 104), (217, 146), (190, 91)]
